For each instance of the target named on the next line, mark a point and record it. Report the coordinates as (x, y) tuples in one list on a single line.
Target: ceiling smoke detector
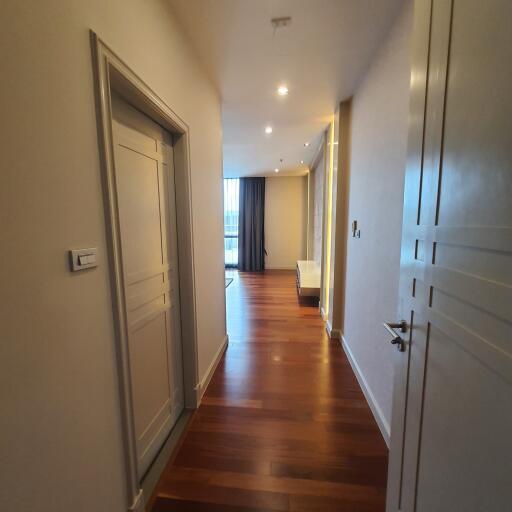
[(284, 21)]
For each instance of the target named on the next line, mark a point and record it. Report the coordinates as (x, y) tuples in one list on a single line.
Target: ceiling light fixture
[(282, 90), (268, 130), (302, 161), (306, 144), (276, 170)]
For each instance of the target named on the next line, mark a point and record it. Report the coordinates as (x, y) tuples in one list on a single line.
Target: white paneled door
[(144, 174), (451, 446)]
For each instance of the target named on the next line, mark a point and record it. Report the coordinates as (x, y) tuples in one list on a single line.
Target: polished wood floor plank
[(283, 425), (180, 505)]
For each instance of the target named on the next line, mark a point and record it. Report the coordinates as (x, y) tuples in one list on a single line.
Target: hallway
[(283, 425)]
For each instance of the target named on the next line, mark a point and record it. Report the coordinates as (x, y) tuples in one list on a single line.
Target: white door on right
[(451, 446)]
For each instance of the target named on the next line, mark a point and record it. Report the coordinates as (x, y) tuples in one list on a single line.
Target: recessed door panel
[(467, 414), (149, 371), (137, 180)]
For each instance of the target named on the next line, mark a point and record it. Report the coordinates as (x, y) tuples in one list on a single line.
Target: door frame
[(112, 74)]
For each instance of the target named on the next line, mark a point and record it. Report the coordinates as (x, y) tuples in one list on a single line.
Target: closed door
[(144, 175), (451, 446)]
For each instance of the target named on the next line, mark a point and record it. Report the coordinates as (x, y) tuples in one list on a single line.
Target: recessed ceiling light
[(282, 90), (302, 161), (306, 144), (268, 129), (276, 170)]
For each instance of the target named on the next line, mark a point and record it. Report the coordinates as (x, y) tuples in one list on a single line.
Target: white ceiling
[(320, 57)]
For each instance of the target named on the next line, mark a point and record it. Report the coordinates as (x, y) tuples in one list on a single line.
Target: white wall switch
[(81, 259)]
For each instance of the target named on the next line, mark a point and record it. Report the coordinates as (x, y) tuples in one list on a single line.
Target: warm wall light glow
[(282, 90), (302, 161), (330, 169), (276, 170), (306, 144), (268, 130)]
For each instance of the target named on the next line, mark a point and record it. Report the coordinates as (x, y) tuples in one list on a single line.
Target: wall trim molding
[(334, 334), (139, 503), (370, 397), (112, 74), (203, 384), (166, 455)]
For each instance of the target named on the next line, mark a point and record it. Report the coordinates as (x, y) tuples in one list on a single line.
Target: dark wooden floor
[(283, 425)]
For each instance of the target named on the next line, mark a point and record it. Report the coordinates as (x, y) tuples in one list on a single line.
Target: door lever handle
[(397, 339)]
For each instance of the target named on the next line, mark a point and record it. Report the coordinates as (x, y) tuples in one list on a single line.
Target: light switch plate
[(80, 259), (354, 228)]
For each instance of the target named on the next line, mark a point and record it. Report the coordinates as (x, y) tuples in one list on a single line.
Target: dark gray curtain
[(251, 225)]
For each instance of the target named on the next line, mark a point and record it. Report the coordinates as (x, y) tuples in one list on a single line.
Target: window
[(231, 187)]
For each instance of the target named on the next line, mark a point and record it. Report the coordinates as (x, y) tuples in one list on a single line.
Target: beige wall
[(286, 211), (60, 442), (377, 165)]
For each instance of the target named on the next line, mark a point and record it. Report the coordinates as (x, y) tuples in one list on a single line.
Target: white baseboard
[(138, 504), (322, 314), (370, 398), (203, 384)]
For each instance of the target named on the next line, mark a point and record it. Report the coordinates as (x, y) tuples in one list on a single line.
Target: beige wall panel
[(377, 167), (285, 221)]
